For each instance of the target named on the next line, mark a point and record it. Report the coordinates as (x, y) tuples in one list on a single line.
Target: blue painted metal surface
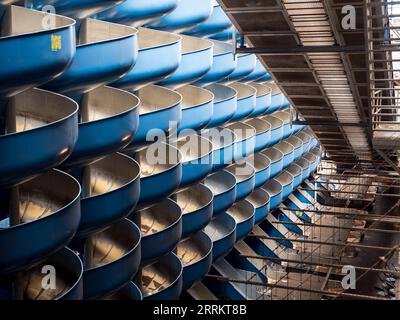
[(286, 180), (129, 292), (288, 152), (223, 64), (168, 267), (197, 108), (245, 139), (197, 155), (245, 179), (112, 273), (263, 99), (257, 73), (225, 104), (222, 231), (287, 127), (196, 256), (276, 129), (304, 164), (263, 133), (246, 100), (102, 129), (276, 158), (27, 56), (262, 166), (223, 141), (226, 35), (217, 22), (77, 9), (116, 52), (196, 203), (160, 114), (244, 214), (306, 139), (298, 146), (187, 14), (223, 186), (161, 228), (272, 231), (29, 151), (312, 159), (266, 78), (137, 12), (275, 190), (159, 56), (197, 59), (246, 63), (119, 200), (158, 181), (296, 172), (43, 231), (276, 98), (260, 200)]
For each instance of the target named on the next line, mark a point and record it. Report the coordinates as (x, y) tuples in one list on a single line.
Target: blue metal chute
[(244, 214), (137, 12), (195, 254), (187, 14), (224, 104), (223, 186), (263, 99), (258, 73), (276, 129), (217, 22), (276, 159), (262, 166), (246, 100), (260, 200), (245, 179), (263, 133), (224, 143)]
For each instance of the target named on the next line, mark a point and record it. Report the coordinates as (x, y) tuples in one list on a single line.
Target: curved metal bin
[(276, 158), (245, 175), (197, 59), (288, 152), (218, 21), (285, 117), (263, 133), (274, 189), (304, 164), (115, 48), (196, 203), (109, 121), (286, 180), (32, 117), (26, 53), (244, 214), (246, 100), (262, 166), (195, 254), (197, 154), (197, 108), (110, 190), (298, 146), (277, 97), (224, 63), (149, 68), (225, 104), (138, 12), (246, 63), (312, 159), (160, 115), (161, 280), (263, 99), (187, 14), (223, 186), (276, 129), (222, 232), (46, 217), (258, 72), (296, 172), (161, 172), (161, 229), (260, 200), (306, 139), (112, 259), (245, 139)]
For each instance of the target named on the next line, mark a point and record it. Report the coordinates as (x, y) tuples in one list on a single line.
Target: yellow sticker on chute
[(55, 43), (299, 213)]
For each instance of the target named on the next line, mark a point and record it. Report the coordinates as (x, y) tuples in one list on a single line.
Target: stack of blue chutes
[(168, 149)]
